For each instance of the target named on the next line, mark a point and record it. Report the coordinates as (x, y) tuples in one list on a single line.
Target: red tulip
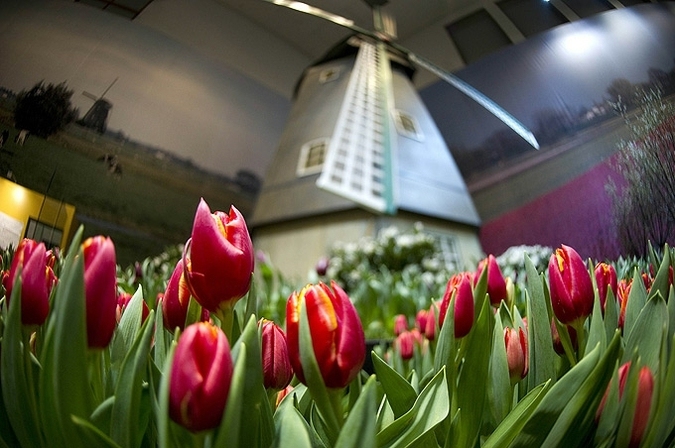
[(201, 373), (421, 320), (496, 284), (37, 280), (322, 266), (337, 334), (459, 287), (400, 324), (283, 393), (176, 299), (557, 343), (220, 264), (605, 278), (404, 344), (642, 406), (572, 292), (516, 353), (100, 284), (123, 300), (623, 291), (276, 362), (430, 327)]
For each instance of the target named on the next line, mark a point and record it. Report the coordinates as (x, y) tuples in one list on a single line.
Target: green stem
[(96, 375), (335, 396), (226, 316), (581, 338)]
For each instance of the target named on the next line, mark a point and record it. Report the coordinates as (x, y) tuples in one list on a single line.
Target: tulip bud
[(496, 284), (100, 284), (37, 280), (176, 299), (643, 405), (201, 373), (322, 266), (283, 393), (123, 300), (459, 287), (337, 334), (430, 327), (622, 293), (404, 344), (516, 353), (605, 278), (400, 324), (276, 362), (572, 292), (220, 264), (421, 320), (557, 343)]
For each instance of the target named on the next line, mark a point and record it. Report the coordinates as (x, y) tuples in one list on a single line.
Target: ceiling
[(312, 36)]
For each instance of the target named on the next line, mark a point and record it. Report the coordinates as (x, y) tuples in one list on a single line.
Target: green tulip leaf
[(360, 427), (662, 423), (431, 408), (637, 297), (95, 436), (164, 435), (540, 343), (627, 406), (566, 414), (18, 391), (515, 420), (127, 420), (323, 398), (499, 391), (229, 431), (253, 412), (399, 393), (596, 332), (102, 415), (611, 317), (7, 436), (671, 314), (127, 330), (609, 417), (194, 312), (647, 333), (162, 340), (64, 356), (471, 390), (661, 282), (291, 429)]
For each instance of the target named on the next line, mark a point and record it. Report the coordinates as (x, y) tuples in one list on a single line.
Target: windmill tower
[(96, 117), (361, 152)]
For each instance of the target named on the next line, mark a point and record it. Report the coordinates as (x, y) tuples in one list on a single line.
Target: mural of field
[(142, 198)]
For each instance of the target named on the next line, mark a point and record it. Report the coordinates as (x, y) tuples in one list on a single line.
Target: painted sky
[(165, 95), (567, 67)]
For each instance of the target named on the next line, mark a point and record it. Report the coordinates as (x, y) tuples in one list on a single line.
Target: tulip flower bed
[(577, 354)]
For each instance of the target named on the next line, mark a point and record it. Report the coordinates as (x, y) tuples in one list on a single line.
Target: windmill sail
[(359, 159), (382, 25)]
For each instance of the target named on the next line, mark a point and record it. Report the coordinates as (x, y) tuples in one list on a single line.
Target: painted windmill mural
[(96, 117), (360, 152)]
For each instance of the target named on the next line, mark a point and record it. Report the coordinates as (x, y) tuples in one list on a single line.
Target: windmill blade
[(318, 12), (475, 95), (91, 96), (109, 87), (453, 80)]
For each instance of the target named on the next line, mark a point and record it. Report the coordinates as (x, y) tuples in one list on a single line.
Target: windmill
[(97, 116), (359, 136)]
